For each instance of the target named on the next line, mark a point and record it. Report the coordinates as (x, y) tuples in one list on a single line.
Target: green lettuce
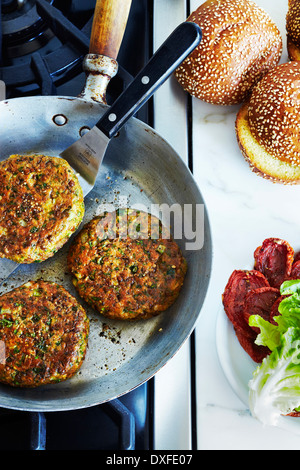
[(274, 389)]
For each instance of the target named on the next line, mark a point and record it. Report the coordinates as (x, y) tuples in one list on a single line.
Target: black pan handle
[(161, 65)]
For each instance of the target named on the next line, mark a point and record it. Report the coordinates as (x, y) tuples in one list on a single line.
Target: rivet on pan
[(145, 80), (60, 119), (83, 130), (112, 117)]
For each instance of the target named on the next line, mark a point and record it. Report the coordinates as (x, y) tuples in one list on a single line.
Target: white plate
[(238, 367)]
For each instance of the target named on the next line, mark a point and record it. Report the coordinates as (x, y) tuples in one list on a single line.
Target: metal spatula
[(86, 154)]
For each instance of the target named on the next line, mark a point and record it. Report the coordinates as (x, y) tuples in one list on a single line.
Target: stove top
[(121, 424), (43, 44)]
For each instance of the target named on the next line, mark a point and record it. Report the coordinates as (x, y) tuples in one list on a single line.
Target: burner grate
[(29, 430), (115, 411), (125, 423)]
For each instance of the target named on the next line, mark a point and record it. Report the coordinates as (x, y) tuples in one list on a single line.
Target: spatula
[(86, 154)]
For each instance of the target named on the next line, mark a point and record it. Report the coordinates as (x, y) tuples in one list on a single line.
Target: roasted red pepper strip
[(274, 258)]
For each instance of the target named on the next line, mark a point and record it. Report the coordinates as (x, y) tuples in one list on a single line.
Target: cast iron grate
[(125, 423), (29, 430), (114, 411)]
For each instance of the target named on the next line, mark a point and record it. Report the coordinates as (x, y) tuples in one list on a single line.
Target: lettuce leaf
[(274, 389), (290, 287), (269, 334)]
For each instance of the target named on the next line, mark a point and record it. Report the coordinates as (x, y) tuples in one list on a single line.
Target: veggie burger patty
[(123, 269), (41, 205), (43, 335)]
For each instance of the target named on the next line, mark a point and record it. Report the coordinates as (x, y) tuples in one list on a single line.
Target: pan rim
[(72, 404)]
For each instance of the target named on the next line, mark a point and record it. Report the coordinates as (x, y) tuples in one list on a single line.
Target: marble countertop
[(244, 209)]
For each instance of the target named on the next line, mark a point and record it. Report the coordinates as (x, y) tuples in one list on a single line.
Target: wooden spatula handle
[(110, 19)]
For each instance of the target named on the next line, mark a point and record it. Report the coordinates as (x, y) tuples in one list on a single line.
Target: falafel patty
[(41, 206), (124, 268), (43, 335)]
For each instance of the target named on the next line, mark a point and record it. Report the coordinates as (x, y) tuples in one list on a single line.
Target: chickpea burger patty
[(43, 335), (125, 267), (41, 206)]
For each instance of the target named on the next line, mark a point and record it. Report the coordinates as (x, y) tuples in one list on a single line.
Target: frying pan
[(139, 168)]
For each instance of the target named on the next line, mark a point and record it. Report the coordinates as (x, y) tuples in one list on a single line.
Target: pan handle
[(109, 24), (168, 57), (100, 65)]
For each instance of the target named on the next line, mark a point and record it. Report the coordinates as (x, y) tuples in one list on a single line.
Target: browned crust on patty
[(43, 335), (240, 43), (129, 276), (41, 205)]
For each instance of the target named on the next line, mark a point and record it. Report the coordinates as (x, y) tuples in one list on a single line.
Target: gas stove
[(43, 46)]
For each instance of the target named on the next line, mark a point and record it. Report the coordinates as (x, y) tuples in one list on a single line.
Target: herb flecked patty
[(41, 205), (43, 335), (124, 268)]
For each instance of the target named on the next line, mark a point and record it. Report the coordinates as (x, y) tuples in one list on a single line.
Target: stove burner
[(27, 30), (23, 30), (46, 67), (9, 5)]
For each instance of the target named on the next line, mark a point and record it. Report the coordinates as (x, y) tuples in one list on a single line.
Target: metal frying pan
[(139, 168)]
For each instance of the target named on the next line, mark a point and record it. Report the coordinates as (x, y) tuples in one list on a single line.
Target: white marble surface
[(244, 209)]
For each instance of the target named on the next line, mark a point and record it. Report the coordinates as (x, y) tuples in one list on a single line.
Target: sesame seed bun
[(293, 29), (267, 125), (240, 43)]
